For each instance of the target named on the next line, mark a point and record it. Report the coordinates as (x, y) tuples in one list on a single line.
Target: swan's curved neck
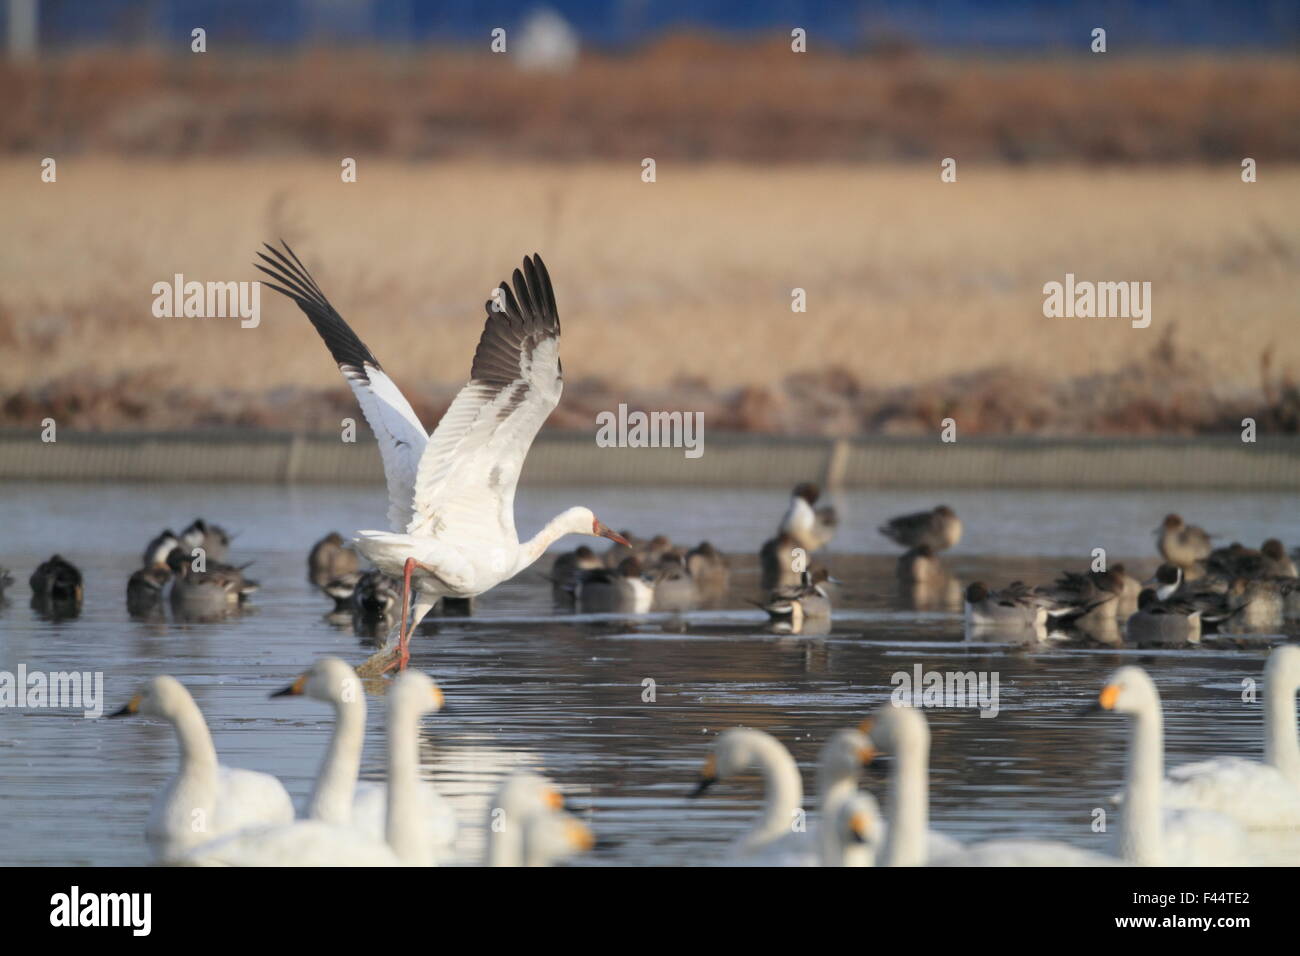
[(405, 829), (336, 783), (1281, 745), (909, 803), (1141, 829), (834, 790), (197, 751), (782, 794)]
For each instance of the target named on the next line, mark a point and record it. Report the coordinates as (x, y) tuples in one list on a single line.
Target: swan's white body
[(451, 492), (1257, 795), (203, 800), (408, 839), (337, 797), (1149, 834)]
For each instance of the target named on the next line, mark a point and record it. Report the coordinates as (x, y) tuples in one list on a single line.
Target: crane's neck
[(332, 796), (1281, 746), (566, 522)]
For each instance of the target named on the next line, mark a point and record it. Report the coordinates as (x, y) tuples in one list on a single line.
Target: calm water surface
[(562, 693)]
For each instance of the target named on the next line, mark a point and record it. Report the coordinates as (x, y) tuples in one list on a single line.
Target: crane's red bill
[(604, 531)]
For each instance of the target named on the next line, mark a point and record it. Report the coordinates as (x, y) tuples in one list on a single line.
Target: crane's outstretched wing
[(465, 488), (397, 428)]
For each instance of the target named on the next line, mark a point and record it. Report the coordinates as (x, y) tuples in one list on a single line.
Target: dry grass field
[(677, 290)]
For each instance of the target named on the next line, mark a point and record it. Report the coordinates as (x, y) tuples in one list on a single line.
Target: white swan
[(204, 799), (1149, 835), (408, 840), (904, 732), (527, 825), (337, 796), (908, 840), (1257, 795), (774, 838), (849, 831)]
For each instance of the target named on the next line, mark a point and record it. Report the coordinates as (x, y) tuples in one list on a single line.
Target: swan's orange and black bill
[(132, 706), (295, 689)]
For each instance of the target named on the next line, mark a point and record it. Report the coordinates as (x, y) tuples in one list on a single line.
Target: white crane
[(451, 494)]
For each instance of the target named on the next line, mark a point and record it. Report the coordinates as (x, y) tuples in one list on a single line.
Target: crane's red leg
[(403, 639)]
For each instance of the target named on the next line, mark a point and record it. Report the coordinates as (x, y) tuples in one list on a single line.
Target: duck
[(810, 601), (710, 570), (528, 826), (620, 591), (1150, 834), (782, 562), (811, 527), (209, 593), (920, 565), (1015, 607), (330, 560), (1086, 601), (57, 580), (1129, 591), (1270, 561), (212, 538), (1182, 544), (674, 588), (337, 797), (407, 839), (205, 799), (565, 569), (144, 589), (939, 529), (1163, 622), (1257, 795), (156, 551)]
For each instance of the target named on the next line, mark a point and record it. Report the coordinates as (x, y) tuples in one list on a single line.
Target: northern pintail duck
[(1172, 621), (1086, 601), (156, 551), (780, 566), (1128, 595), (920, 565), (1182, 544), (565, 569), (938, 530), (214, 591), (622, 590), (809, 601), (1270, 561), (1014, 607), (57, 580), (212, 538), (710, 570), (812, 527), (144, 590), (674, 588), (330, 560)]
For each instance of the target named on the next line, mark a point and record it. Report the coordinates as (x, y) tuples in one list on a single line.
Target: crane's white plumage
[(451, 495)]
